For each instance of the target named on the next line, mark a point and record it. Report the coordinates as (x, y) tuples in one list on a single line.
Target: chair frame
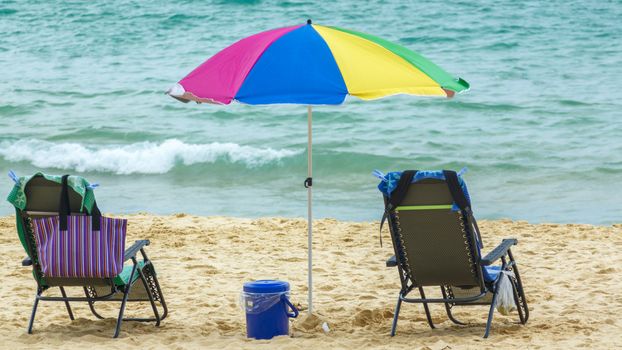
[(408, 283), (146, 275)]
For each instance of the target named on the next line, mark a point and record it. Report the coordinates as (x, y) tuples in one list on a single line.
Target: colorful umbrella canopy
[(313, 65)]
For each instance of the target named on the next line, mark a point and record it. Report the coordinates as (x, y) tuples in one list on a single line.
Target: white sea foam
[(143, 157)]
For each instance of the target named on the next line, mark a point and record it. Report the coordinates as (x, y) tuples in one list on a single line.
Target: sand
[(572, 276)]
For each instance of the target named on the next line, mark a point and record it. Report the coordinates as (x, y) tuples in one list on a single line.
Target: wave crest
[(141, 158)]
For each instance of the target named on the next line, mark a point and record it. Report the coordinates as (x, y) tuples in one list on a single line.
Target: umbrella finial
[(309, 21)]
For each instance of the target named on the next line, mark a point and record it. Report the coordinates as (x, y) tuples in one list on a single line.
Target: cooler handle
[(294, 314)]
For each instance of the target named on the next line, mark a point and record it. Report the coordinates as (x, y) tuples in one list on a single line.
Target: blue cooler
[(266, 303)]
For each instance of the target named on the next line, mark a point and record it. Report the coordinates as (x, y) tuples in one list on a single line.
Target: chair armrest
[(135, 248), (392, 261), (27, 261), (499, 251)]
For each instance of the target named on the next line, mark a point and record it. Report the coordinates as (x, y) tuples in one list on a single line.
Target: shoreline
[(10, 213), (570, 271)]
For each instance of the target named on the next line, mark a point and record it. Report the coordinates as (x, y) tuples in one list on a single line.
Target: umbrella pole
[(309, 185)]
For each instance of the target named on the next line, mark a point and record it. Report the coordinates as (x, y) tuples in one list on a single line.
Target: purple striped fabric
[(80, 251)]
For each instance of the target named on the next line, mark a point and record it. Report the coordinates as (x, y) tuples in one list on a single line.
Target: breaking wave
[(136, 158)]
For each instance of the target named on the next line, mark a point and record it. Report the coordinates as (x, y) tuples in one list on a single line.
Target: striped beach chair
[(85, 253)]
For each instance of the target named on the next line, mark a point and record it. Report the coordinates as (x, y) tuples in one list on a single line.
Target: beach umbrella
[(313, 65)]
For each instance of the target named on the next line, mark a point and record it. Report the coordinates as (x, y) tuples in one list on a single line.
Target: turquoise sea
[(82, 91)]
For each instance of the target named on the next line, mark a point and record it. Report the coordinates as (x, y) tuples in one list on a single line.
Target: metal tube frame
[(108, 297), (449, 301)]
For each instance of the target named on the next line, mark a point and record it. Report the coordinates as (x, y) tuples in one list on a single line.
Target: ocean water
[(81, 92)]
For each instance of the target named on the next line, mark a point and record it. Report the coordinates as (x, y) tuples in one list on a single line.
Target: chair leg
[(162, 302), (427, 309), (126, 293), (521, 303), (62, 292), (92, 305), (448, 310), (395, 316), (451, 316), (491, 313), (95, 313), (521, 300), (34, 312), (151, 274), (151, 282), (151, 300), (120, 318)]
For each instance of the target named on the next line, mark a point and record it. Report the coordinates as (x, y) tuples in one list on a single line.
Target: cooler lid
[(266, 286)]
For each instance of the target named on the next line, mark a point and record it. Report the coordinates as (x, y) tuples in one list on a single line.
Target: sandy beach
[(214, 114), (571, 275)]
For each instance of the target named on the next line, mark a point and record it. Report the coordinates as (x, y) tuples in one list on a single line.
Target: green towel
[(124, 277), (17, 197)]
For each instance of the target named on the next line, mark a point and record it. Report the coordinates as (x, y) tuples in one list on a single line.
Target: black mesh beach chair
[(136, 283), (437, 244)]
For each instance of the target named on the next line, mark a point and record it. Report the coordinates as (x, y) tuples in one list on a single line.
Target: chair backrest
[(433, 244), (43, 196), (43, 200)]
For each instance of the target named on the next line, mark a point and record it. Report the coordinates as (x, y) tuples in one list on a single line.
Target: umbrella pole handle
[(309, 185)]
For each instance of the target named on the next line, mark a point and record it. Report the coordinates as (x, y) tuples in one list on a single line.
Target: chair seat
[(491, 273), (124, 277)]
